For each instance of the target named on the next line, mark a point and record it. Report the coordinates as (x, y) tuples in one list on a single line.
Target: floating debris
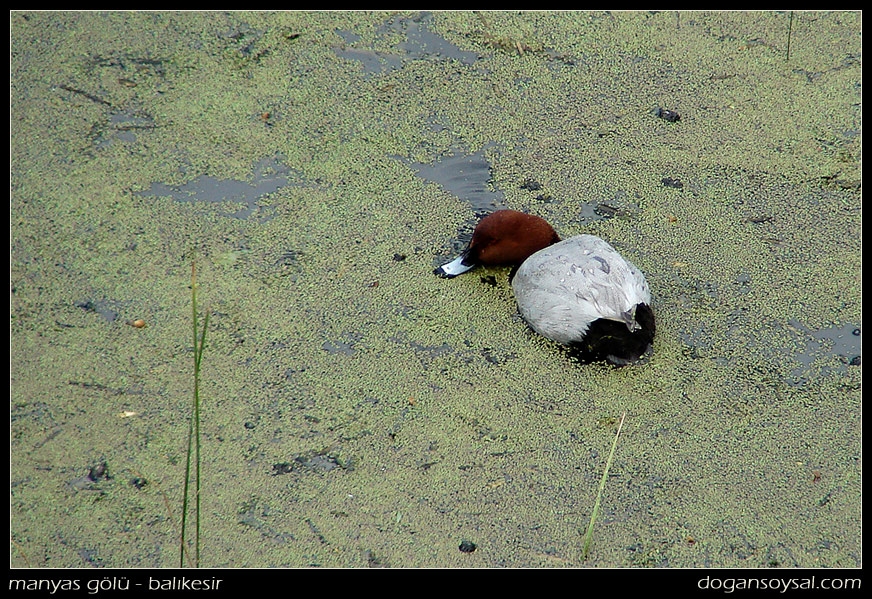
[(667, 115)]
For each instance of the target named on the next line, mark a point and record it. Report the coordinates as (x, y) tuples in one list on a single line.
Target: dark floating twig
[(91, 97)]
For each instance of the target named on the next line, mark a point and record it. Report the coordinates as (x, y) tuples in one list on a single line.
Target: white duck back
[(565, 287)]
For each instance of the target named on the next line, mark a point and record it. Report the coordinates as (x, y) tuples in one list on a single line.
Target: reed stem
[(194, 432), (588, 536)]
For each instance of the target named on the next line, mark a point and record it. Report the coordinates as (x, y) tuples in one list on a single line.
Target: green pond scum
[(357, 410)]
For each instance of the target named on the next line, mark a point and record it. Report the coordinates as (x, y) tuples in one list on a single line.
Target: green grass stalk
[(588, 536), (193, 453)]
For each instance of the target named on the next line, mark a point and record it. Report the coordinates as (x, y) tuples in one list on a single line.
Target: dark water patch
[(423, 42), (425, 353), (313, 461), (842, 342), (288, 264), (128, 64), (255, 514), (808, 347), (594, 211), (122, 126), (345, 346), (467, 176), (698, 343), (556, 209), (428, 353), (338, 347), (242, 42), (497, 357), (432, 351), (269, 176), (96, 473), (373, 62), (420, 43), (103, 308)]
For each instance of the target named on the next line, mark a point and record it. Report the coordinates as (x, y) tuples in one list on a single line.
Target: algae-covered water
[(359, 411)]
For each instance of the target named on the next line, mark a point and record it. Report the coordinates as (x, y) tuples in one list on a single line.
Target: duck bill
[(454, 268)]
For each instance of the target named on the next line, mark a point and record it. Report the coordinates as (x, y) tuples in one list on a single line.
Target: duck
[(579, 292)]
